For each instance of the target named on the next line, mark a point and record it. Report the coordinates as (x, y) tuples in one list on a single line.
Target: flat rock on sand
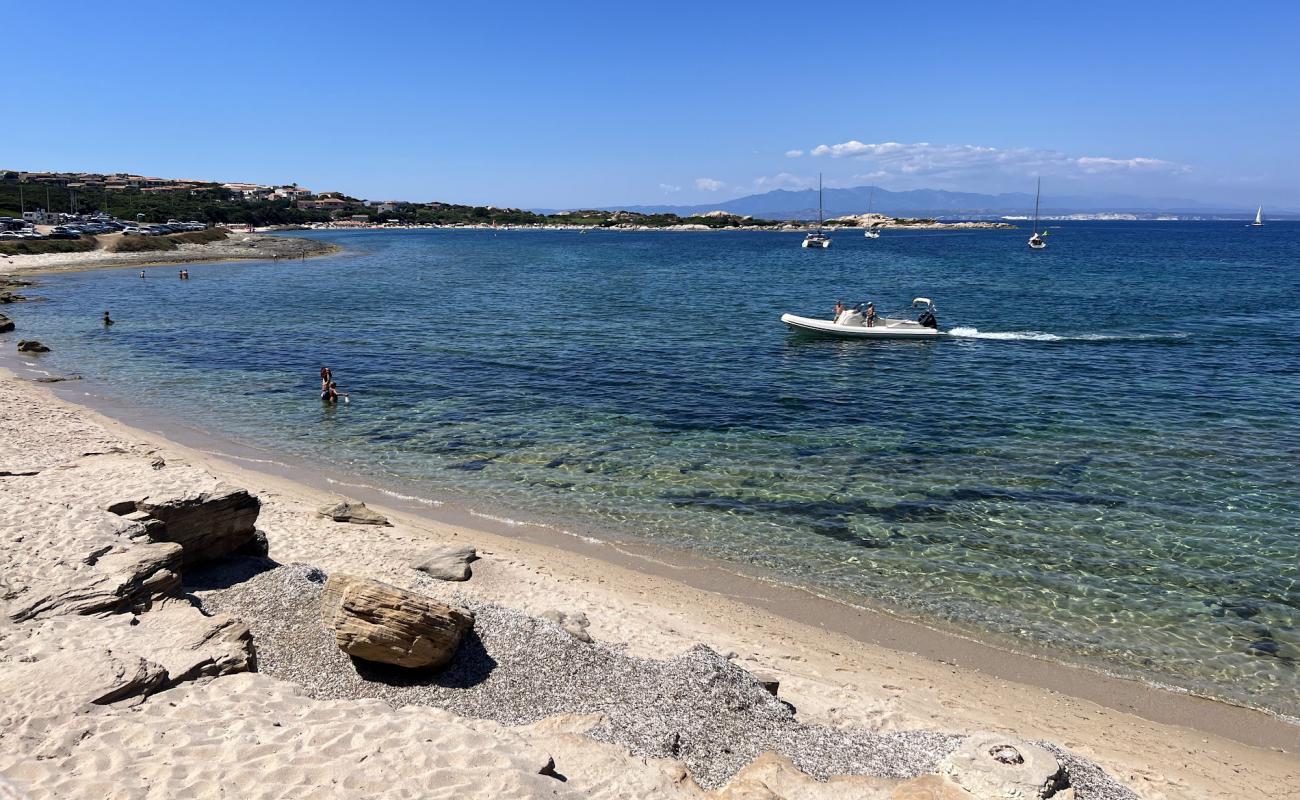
[(353, 512), (448, 563)]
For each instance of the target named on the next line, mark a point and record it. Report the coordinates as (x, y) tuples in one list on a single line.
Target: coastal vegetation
[(214, 205), (26, 247), (143, 244)]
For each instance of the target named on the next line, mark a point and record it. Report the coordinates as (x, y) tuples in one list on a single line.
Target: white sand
[(254, 736)]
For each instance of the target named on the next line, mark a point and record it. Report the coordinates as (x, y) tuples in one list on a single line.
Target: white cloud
[(793, 153), (708, 184), (668, 187), (784, 180), (959, 161)]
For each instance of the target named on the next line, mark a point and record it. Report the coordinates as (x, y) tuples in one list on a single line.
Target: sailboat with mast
[(871, 232), (818, 238), (1037, 242), (1259, 219)]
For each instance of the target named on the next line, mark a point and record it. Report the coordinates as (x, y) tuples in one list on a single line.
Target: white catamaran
[(1037, 242), (1259, 218), (818, 239)]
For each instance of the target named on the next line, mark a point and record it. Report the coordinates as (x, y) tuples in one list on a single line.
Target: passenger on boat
[(840, 308), (871, 314)]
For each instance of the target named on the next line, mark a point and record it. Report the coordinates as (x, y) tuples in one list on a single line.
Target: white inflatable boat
[(860, 322)]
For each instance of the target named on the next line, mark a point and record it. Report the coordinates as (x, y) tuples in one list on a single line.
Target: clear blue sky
[(564, 104)]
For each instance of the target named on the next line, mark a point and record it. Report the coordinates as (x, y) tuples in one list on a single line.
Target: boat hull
[(824, 327)]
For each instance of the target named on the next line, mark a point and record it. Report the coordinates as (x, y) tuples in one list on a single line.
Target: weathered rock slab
[(175, 635), (378, 622), (209, 519), (449, 563), (992, 766), (353, 512), (207, 524), (56, 559), (31, 346)]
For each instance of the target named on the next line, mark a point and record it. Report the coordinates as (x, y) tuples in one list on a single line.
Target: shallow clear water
[(1107, 468)]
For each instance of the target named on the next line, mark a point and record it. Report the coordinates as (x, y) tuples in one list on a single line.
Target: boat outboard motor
[(927, 319)]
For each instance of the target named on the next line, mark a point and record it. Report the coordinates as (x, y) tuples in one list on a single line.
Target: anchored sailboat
[(1259, 218), (1036, 242), (818, 239), (871, 233)]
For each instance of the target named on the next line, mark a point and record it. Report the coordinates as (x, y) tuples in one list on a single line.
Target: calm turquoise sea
[(1106, 464)]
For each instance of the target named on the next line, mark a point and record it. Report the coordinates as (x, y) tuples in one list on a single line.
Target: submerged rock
[(449, 563), (31, 346), (353, 512), (6, 324), (374, 621)]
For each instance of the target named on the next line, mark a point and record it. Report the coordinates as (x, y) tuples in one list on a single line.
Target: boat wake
[(1040, 336)]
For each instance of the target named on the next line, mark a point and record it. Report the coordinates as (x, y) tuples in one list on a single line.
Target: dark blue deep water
[(1105, 464)]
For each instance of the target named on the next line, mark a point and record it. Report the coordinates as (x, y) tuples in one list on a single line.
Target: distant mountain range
[(802, 204)]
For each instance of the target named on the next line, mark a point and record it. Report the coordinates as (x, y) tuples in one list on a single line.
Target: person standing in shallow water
[(325, 378), (107, 319)]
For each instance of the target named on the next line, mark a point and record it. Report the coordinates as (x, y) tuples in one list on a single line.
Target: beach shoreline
[(856, 618), (832, 656), (236, 247)]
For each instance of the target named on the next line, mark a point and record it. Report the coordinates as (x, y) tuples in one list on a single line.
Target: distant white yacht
[(1037, 242), (817, 238), (1259, 218), (871, 232)]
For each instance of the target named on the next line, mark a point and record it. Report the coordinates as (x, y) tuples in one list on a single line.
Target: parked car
[(63, 235)]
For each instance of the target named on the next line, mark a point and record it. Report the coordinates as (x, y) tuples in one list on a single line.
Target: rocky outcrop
[(173, 502), (353, 512), (449, 563), (6, 324), (173, 634), (574, 623), (990, 766), (206, 524), (65, 560), (374, 621), (31, 346)]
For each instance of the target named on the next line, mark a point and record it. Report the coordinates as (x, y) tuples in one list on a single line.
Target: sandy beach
[(237, 246), (202, 671)]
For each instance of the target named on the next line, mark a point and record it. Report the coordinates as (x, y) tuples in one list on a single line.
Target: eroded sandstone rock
[(374, 621), (990, 766), (68, 560), (207, 524), (449, 563), (173, 634), (353, 512)]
